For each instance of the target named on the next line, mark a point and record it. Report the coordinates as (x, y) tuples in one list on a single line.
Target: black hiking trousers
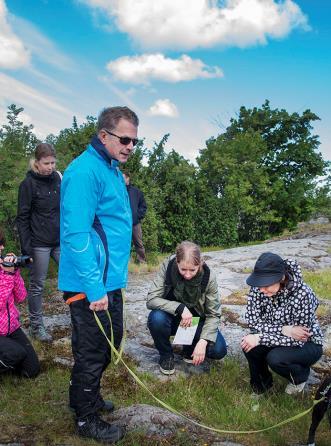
[(17, 355), (91, 351)]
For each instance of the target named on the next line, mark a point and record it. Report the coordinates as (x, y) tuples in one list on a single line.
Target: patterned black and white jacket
[(295, 304)]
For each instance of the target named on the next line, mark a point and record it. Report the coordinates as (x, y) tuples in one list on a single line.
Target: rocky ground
[(232, 267)]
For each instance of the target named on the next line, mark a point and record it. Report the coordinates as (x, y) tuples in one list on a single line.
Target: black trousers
[(293, 363), (91, 351), (17, 355)]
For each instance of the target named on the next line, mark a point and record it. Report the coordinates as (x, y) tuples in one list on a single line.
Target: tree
[(172, 180), (17, 142), (290, 159), (71, 142), (265, 167)]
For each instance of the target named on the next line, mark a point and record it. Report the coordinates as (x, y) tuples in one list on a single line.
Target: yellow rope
[(174, 411)]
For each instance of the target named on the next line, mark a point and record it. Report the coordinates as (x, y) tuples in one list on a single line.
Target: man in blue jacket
[(95, 233), (138, 208)]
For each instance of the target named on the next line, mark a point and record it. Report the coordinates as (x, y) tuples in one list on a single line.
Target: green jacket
[(208, 306)]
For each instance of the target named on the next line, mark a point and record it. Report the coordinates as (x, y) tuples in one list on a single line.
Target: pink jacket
[(12, 290)]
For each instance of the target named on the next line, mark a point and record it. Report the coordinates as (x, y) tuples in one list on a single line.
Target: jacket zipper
[(8, 316)]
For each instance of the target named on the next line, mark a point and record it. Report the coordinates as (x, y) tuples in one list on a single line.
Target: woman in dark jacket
[(38, 222), (281, 314)]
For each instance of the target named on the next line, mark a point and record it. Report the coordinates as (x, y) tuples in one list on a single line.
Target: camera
[(19, 261)]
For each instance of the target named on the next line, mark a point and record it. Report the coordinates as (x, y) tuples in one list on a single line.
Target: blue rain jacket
[(95, 225)]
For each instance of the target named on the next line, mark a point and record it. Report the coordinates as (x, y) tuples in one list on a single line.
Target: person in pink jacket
[(16, 352)]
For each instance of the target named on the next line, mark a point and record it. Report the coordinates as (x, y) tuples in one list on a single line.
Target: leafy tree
[(71, 142), (174, 200), (264, 166), (290, 158), (17, 142)]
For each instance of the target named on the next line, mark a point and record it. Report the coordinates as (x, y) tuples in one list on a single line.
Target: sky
[(184, 66)]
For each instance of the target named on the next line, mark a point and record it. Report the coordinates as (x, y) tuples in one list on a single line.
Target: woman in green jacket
[(185, 287)]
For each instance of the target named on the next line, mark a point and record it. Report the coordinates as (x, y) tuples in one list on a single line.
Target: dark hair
[(43, 150), (110, 116), (2, 237), (189, 252)]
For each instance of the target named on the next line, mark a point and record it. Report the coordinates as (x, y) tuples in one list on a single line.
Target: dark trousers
[(91, 351), (137, 239), (162, 325), (17, 355), (293, 363)]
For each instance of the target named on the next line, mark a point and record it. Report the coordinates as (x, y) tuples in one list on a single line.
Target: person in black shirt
[(38, 223), (138, 208)]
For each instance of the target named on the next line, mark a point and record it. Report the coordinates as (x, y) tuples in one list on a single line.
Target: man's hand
[(199, 352), (250, 341), (100, 305), (186, 318), (10, 257)]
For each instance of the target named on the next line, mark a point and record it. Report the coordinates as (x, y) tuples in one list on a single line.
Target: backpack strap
[(205, 277), (204, 281), (168, 282)]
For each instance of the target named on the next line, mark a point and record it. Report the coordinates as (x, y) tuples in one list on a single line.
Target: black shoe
[(108, 407), (187, 355), (167, 365), (94, 427), (188, 359)]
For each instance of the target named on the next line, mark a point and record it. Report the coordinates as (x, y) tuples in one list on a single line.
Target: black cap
[(269, 269)]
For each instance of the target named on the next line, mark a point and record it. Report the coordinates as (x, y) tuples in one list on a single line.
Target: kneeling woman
[(185, 287), (16, 352), (285, 334)]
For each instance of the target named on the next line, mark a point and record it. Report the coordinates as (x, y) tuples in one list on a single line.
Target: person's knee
[(36, 286), (274, 360), (32, 372), (157, 321), (255, 353), (15, 356), (217, 351)]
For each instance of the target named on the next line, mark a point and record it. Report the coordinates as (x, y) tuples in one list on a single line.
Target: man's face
[(116, 149)]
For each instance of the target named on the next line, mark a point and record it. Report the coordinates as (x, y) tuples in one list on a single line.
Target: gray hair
[(110, 116)]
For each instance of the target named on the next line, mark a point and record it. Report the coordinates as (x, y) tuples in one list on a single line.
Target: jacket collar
[(103, 152)]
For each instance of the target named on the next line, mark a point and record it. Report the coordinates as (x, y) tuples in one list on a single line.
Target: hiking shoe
[(40, 334), (293, 389), (94, 427), (167, 365), (107, 407)]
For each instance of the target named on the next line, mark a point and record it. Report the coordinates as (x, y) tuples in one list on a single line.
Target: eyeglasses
[(125, 140)]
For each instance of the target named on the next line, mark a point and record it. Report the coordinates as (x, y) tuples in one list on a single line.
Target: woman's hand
[(186, 318), (199, 352), (297, 332), (10, 257), (250, 341)]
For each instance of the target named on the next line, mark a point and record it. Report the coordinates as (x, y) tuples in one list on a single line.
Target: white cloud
[(163, 107), (13, 54), (184, 24), (47, 114), (142, 69), (40, 46)]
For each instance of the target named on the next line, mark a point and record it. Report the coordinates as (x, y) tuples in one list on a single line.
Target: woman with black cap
[(281, 314)]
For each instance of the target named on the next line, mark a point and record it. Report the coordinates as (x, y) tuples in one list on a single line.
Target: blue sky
[(184, 66)]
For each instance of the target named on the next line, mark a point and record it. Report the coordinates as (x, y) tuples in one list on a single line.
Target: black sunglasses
[(125, 140)]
